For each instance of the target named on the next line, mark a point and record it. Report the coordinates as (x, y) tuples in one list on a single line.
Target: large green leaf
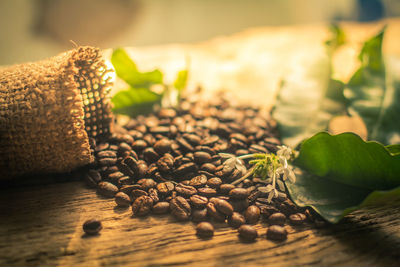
[(343, 172), (373, 92), (181, 80), (127, 70), (309, 99), (136, 101)]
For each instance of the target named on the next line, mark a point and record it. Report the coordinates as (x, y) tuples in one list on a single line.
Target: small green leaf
[(341, 173), (371, 53), (181, 80), (127, 70), (136, 101), (338, 37)]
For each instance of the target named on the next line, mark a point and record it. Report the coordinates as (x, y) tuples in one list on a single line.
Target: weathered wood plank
[(42, 226)]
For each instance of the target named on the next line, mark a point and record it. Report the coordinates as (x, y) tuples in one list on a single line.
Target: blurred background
[(36, 29)]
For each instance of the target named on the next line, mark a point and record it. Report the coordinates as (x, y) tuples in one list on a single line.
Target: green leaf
[(127, 70), (338, 37), (136, 101), (342, 172), (181, 80), (373, 92)]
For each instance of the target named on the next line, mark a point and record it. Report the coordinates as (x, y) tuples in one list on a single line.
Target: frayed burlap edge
[(48, 111)]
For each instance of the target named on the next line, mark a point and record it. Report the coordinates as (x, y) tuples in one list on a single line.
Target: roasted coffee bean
[(107, 189), (297, 218), (276, 232), (125, 180), (185, 190), (150, 155), (201, 157), (163, 130), (239, 204), (207, 174), (198, 181), (142, 206), (127, 189), (101, 147), (207, 192), (167, 113), (166, 163), (106, 154), (139, 145), (185, 169), (114, 147), (205, 230), (180, 208), (192, 139), (92, 178), (224, 189), (238, 193), (154, 195), (135, 193), (129, 166), (239, 137), (257, 149), (241, 152), (152, 169), (198, 201), (224, 207), (288, 207), (253, 196), (122, 199), (199, 215), (236, 220), (165, 188), (214, 182), (210, 141), (92, 226), (114, 177), (161, 207), (266, 210), (184, 145), (208, 167), (123, 148), (150, 139), (208, 150), (214, 213), (247, 232), (277, 219), (107, 161), (147, 183), (252, 214), (141, 170), (162, 146)]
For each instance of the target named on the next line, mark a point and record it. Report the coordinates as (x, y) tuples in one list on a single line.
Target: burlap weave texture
[(49, 110)]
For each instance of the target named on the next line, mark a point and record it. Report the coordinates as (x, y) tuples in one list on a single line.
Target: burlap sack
[(49, 110)]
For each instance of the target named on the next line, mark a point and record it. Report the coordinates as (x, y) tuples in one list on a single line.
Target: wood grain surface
[(42, 226)]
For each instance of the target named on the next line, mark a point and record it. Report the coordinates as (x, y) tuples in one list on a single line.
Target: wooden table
[(42, 225)]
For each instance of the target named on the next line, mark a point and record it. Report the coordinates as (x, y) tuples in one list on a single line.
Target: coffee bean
[(162, 146), (224, 207), (201, 157), (122, 199), (92, 178), (214, 213), (198, 181), (207, 192), (165, 188), (101, 147), (141, 170), (92, 226), (127, 189), (123, 148), (107, 189), (180, 208), (192, 139), (208, 167), (276, 232), (146, 183), (154, 195), (257, 149), (208, 150), (239, 204), (139, 145), (199, 215), (150, 155), (214, 182), (185, 190), (163, 130), (277, 219), (288, 207), (161, 207), (106, 154), (167, 113), (136, 193), (185, 169), (236, 220), (205, 230), (247, 232), (198, 201), (184, 145), (266, 210), (297, 218), (114, 177), (107, 161), (210, 140), (142, 206), (252, 214), (224, 189), (166, 163), (238, 193)]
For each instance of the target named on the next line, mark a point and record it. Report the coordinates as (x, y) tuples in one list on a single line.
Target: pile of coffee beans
[(169, 162)]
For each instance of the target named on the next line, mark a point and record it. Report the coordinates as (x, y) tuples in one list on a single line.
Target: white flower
[(287, 172), (272, 194), (285, 152), (232, 163)]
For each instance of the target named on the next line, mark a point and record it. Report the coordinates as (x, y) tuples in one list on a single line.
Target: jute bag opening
[(49, 110)]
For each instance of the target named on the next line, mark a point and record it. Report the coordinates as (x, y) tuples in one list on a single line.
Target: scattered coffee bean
[(214, 213), (92, 226), (92, 178), (166, 188), (236, 220), (162, 146), (277, 219), (201, 157), (199, 215), (122, 199), (107, 189), (276, 232), (180, 208), (252, 214), (297, 218), (214, 182), (161, 207), (198, 201), (205, 229), (146, 183), (238, 193), (185, 190), (247, 232), (224, 189), (142, 206), (207, 192), (198, 181), (224, 207)]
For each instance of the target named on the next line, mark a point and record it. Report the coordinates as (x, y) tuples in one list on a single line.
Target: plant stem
[(250, 172)]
